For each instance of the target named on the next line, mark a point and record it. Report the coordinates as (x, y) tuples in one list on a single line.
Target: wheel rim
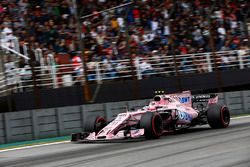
[(157, 125), (225, 116)]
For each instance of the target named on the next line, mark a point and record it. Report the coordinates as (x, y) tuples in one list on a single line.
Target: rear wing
[(210, 98)]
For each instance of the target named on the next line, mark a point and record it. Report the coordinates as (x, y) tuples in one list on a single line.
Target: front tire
[(94, 123), (152, 125), (218, 116)]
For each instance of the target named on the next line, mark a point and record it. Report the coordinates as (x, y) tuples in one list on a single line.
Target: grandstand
[(145, 39)]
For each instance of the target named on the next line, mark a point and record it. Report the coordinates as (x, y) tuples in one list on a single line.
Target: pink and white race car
[(165, 113)]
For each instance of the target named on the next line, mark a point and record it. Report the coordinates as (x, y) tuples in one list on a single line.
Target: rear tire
[(94, 123), (218, 116), (152, 125)]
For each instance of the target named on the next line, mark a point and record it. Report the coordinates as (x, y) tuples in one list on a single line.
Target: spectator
[(145, 67), (77, 66), (151, 25)]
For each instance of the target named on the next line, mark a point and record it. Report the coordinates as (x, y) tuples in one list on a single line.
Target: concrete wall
[(44, 123), (238, 102)]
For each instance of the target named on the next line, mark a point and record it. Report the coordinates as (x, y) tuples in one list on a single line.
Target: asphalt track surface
[(196, 147)]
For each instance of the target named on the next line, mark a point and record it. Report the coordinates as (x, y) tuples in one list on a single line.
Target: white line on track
[(241, 117), (54, 143), (34, 146)]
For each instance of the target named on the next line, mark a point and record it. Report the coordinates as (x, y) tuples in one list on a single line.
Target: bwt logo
[(184, 99), (184, 116)]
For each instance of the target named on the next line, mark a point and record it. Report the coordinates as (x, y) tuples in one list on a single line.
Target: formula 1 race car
[(165, 113)]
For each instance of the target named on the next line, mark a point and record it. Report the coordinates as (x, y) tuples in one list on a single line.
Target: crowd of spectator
[(164, 26)]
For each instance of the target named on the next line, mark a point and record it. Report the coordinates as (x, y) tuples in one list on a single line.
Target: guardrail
[(54, 76)]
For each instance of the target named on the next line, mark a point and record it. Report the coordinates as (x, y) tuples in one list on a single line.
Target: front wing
[(121, 135)]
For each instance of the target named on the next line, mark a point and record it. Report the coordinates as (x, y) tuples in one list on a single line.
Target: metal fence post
[(240, 60), (52, 65), (98, 73), (210, 69), (54, 78), (39, 57), (138, 71), (25, 51), (16, 44)]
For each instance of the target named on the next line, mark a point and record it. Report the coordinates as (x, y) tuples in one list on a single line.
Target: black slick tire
[(94, 123), (218, 116), (152, 124)]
